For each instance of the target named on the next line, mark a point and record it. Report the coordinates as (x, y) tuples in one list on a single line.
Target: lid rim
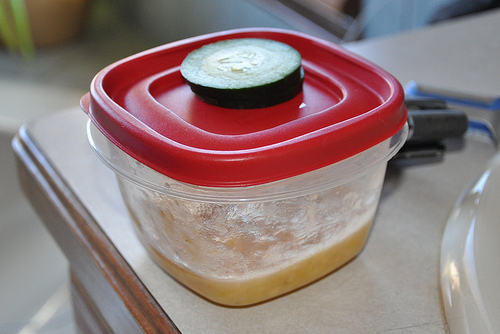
[(155, 181)]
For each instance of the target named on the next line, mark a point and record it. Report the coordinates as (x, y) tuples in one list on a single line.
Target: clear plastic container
[(240, 246), (245, 205)]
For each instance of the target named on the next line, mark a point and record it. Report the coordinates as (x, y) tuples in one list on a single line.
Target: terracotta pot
[(56, 21)]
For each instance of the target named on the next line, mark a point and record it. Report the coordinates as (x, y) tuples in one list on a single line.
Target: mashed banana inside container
[(245, 205)]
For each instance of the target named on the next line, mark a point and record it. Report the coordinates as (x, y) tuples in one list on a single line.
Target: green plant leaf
[(6, 31), (25, 41)]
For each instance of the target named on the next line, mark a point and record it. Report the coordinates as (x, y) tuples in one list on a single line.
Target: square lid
[(144, 106)]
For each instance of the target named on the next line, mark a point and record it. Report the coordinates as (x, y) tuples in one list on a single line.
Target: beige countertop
[(457, 56), (392, 286)]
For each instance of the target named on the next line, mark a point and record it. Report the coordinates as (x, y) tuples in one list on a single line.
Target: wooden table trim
[(100, 269)]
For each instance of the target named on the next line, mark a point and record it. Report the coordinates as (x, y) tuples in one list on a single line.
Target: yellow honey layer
[(253, 289)]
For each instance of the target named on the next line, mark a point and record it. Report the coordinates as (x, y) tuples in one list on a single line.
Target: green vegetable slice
[(244, 73)]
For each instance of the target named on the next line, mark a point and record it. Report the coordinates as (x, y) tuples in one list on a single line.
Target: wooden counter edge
[(114, 292)]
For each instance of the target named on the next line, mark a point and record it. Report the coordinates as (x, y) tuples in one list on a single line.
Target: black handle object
[(421, 103), (412, 150), (436, 124)]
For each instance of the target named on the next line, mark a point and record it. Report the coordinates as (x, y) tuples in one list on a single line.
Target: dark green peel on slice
[(244, 73)]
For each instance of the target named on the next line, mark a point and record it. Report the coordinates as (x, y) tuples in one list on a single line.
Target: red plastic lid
[(143, 105)]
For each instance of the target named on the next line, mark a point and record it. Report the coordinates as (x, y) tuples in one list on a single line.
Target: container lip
[(127, 103), (312, 182)]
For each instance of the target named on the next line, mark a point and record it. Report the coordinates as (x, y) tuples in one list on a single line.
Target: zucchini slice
[(244, 73)]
